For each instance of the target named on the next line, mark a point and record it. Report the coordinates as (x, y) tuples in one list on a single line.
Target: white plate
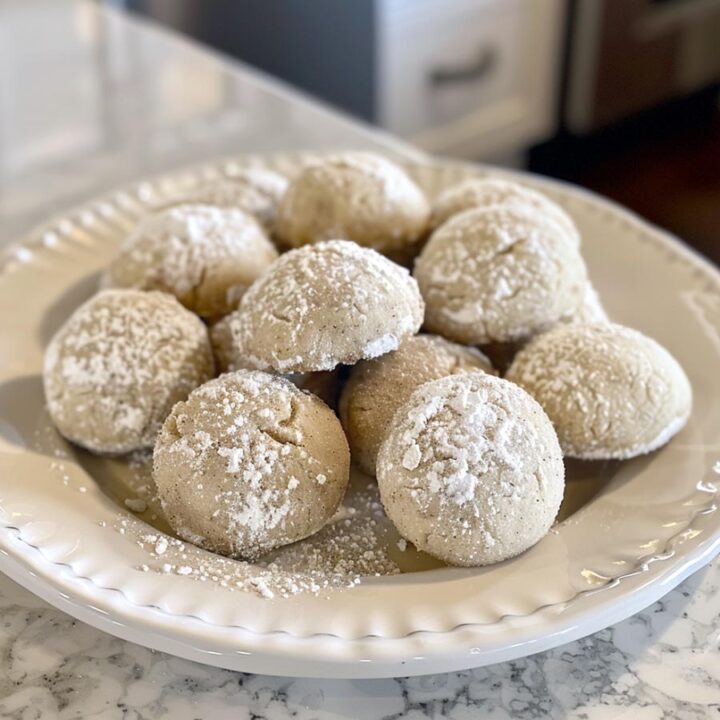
[(651, 523)]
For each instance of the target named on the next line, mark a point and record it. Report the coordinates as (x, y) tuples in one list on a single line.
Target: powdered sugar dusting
[(255, 191), (437, 429), (194, 251), (235, 468), (395, 186), (471, 470), (119, 363), (356, 543), (485, 192), (289, 320), (610, 391), (376, 389), (357, 196), (385, 344), (498, 274)]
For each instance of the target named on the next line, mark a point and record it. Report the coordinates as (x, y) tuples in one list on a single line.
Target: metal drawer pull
[(476, 70)]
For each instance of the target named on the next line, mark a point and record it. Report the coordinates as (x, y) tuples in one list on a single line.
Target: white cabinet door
[(469, 77)]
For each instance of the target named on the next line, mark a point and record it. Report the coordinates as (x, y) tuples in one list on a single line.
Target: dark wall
[(326, 47)]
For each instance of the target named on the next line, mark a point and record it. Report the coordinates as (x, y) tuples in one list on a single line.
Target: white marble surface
[(90, 100), (661, 664)]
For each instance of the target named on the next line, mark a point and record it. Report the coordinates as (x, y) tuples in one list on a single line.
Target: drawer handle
[(479, 68)]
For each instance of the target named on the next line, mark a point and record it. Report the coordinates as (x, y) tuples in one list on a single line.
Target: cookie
[(320, 306), (206, 256), (611, 392), (117, 366), (471, 471), (250, 463)]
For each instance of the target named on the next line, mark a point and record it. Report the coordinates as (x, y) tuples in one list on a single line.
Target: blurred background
[(620, 96)]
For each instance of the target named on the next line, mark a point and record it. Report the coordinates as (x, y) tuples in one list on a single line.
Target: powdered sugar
[(439, 425), (119, 363), (234, 457), (385, 344), (161, 546), (498, 274), (355, 544), (471, 470), (322, 305), (235, 467), (394, 186), (610, 391), (377, 388), (253, 190), (356, 196), (206, 256), (485, 192)]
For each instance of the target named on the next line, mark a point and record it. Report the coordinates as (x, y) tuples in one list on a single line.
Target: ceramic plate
[(628, 533)]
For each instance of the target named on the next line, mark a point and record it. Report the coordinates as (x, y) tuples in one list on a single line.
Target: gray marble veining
[(90, 100), (662, 664)]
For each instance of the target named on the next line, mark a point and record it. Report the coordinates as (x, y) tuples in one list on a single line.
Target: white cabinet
[(474, 78)]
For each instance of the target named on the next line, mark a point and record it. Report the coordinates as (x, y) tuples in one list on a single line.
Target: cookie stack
[(237, 319)]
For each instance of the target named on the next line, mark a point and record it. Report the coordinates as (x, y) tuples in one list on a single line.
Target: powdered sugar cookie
[(206, 256), (498, 275), (355, 196), (471, 470), (321, 306), (249, 463), (484, 192), (255, 191), (611, 392), (115, 369), (376, 388)]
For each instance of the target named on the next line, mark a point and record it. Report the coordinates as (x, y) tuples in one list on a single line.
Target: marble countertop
[(662, 664), (89, 100)]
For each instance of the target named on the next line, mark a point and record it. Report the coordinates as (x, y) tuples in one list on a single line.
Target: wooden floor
[(670, 175)]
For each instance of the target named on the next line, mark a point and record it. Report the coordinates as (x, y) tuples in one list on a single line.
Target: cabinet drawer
[(437, 66), (454, 73)]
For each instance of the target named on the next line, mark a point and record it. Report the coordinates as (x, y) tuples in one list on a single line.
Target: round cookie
[(255, 191), (498, 274), (377, 388), (471, 470), (320, 306), (356, 196), (117, 366), (249, 463), (483, 192), (611, 392), (206, 256)]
